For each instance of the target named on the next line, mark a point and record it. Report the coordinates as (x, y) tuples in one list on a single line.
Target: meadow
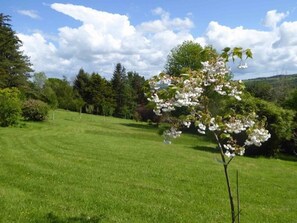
[(101, 169)]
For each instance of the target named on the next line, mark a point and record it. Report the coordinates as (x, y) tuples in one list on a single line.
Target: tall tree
[(14, 66), (188, 55), (120, 88), (137, 82), (101, 93), (81, 84)]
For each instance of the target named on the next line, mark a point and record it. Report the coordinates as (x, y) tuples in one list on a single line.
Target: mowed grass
[(102, 169)]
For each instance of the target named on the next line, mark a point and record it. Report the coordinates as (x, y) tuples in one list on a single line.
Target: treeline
[(91, 93)]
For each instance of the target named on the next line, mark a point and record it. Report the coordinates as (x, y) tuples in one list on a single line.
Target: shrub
[(10, 105), (35, 110)]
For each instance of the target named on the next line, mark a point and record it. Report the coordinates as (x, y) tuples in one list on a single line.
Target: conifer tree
[(14, 65)]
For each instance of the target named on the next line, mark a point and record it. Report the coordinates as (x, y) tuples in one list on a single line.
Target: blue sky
[(62, 36)]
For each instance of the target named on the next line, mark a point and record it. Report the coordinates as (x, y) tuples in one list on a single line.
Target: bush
[(10, 106), (35, 110)]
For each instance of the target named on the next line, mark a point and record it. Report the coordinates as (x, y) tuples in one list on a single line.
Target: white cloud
[(104, 39), (287, 35), (43, 54), (273, 18), (274, 51), (31, 13), (166, 23)]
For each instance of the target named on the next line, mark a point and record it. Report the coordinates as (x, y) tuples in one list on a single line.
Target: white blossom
[(213, 126), (242, 65), (235, 126), (187, 124), (229, 147), (257, 137), (201, 128), (171, 133), (228, 154)]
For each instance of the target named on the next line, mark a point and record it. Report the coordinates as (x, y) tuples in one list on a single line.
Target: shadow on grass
[(52, 218), (209, 149), (139, 126)]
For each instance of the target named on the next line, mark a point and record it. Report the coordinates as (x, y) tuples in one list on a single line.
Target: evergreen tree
[(14, 66), (120, 88), (81, 84), (101, 95), (136, 82)]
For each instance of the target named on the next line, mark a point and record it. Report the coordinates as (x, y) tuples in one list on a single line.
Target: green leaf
[(226, 49), (225, 136), (249, 53)]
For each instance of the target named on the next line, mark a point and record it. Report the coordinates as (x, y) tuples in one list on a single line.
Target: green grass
[(100, 169)]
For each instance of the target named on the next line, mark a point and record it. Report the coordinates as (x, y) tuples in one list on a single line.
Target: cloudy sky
[(60, 37)]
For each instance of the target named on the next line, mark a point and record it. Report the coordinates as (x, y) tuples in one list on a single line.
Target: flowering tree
[(201, 93)]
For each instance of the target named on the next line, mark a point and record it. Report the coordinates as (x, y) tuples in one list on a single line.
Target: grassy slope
[(97, 169)]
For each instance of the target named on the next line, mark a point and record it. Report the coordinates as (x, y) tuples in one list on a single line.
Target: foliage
[(188, 55), (35, 110), (261, 90), (136, 83), (81, 85), (63, 91), (96, 93), (14, 66), (291, 101), (40, 89), (101, 95), (10, 106)]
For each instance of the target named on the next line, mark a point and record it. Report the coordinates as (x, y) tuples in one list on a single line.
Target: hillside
[(286, 80)]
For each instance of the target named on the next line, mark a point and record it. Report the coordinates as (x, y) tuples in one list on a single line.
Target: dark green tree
[(14, 65), (121, 92), (101, 95), (137, 82), (81, 85), (188, 55), (63, 91)]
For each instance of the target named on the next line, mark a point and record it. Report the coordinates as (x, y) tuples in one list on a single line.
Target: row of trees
[(91, 93), (119, 97)]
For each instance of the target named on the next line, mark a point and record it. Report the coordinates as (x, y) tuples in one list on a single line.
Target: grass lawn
[(101, 169)]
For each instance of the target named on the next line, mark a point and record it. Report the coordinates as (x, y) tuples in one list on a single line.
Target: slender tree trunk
[(232, 207)]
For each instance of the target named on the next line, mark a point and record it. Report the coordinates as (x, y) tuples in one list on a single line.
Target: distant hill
[(287, 80), (276, 88)]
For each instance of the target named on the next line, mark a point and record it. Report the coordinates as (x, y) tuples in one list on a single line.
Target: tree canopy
[(188, 55)]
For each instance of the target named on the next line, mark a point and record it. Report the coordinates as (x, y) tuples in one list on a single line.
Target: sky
[(60, 37)]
